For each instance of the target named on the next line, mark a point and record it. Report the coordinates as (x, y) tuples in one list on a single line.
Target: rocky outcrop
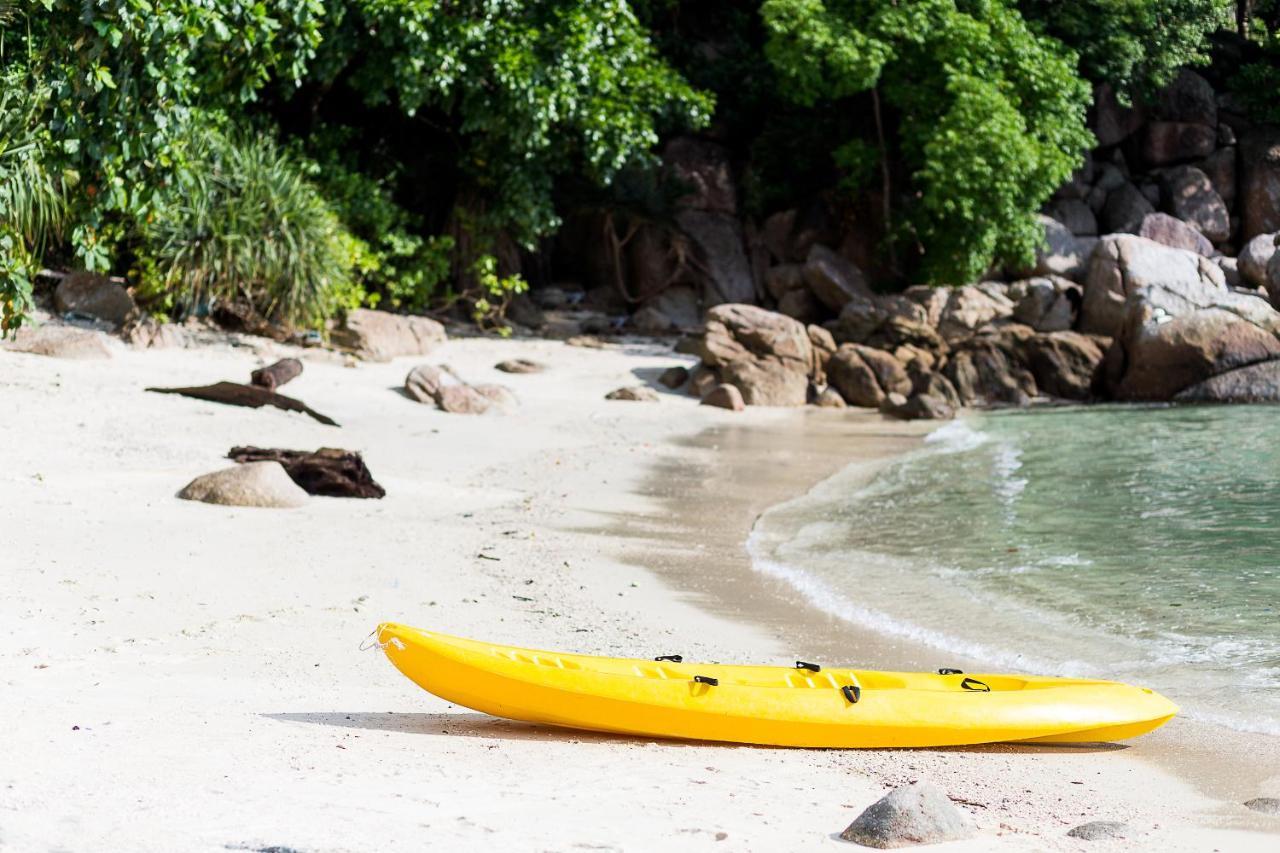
[(1063, 253), (1047, 303), (1259, 186), (382, 336), (1190, 197), (989, 369), (1167, 231), (1065, 364), (832, 279), (767, 356), (256, 484), (96, 296), (864, 376), (1125, 209), (919, 813), (970, 308), (1254, 258), (1125, 264)]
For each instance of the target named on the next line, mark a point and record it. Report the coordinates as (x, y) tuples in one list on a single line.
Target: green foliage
[(989, 115), (242, 225), (494, 292), (1132, 44)]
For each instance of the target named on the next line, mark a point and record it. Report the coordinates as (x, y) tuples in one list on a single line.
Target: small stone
[(650, 320), (829, 398), (1264, 805), (674, 377), (60, 342), (919, 813), (425, 382), (893, 400), (725, 397), (1099, 830), (585, 341), (520, 365), (257, 484), (635, 393)]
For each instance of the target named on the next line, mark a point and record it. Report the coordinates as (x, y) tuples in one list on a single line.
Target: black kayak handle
[(706, 679), (852, 692), (946, 671), (812, 667), (672, 658), (975, 684)]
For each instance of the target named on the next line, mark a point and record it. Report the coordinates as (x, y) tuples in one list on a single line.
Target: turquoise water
[(1133, 543)]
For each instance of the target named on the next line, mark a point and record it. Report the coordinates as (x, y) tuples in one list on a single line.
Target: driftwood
[(235, 394), (273, 376), (328, 471)]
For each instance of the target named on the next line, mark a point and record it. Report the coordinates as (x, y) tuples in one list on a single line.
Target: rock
[(274, 375), (500, 397), (932, 299), (59, 342), (1046, 304), (824, 346), (1064, 253), (717, 237), (1112, 122), (1190, 196), (725, 397), (462, 400), (702, 172), (1168, 142), (829, 398), (1256, 383), (767, 355), (260, 484), (523, 311), (1265, 805), (1254, 257), (988, 369), (674, 377), (801, 305), (1164, 229), (650, 320), (438, 384), (148, 333), (1220, 166), (550, 298), (926, 382), (776, 234), (919, 813), (701, 380), (1100, 830), (585, 342), (249, 396), (1259, 184), (918, 407), (864, 376), (1075, 214), (1230, 270), (425, 382), (91, 295), (1124, 264), (833, 279), (863, 316), (634, 393), (1065, 363), (1109, 177), (783, 279), (328, 471), (969, 309), (680, 303), (1189, 98), (520, 365), (382, 336)]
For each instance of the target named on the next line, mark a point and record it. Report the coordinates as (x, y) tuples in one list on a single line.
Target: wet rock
[(1256, 383), (329, 471), (918, 407), (919, 813), (381, 336), (634, 393), (520, 365), (1100, 830), (257, 484), (674, 377), (59, 342), (725, 397), (1254, 257), (91, 295), (1190, 196), (832, 278), (1164, 229), (1264, 805), (767, 355)]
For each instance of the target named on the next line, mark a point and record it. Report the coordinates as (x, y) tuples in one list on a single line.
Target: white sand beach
[(176, 676)]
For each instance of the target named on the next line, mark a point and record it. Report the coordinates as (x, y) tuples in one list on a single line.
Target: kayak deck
[(808, 706)]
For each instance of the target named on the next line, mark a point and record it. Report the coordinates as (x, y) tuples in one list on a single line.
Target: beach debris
[(1264, 805), (829, 398), (586, 341), (917, 407), (257, 484), (636, 393), (725, 397), (329, 471), (674, 377), (60, 342), (430, 383), (250, 396), (520, 365), (92, 295), (1100, 830), (919, 813), (382, 336), (273, 376)]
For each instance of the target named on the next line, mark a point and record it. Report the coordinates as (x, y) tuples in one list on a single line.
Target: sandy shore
[(179, 676)]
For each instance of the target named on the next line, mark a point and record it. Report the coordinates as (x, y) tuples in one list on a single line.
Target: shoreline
[(192, 664)]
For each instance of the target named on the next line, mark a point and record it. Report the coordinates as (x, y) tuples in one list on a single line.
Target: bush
[(242, 225)]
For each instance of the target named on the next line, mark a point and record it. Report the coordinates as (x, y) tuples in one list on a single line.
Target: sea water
[(1138, 544)]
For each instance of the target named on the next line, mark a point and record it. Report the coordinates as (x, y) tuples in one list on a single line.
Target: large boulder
[(1220, 166), (1046, 303), (1256, 383), (832, 278), (1125, 264), (863, 315), (1065, 363), (701, 171), (1189, 98), (1112, 121), (768, 356), (919, 407), (1190, 196), (1168, 142), (1254, 258), (864, 376), (989, 369), (919, 813), (1075, 214), (971, 307), (382, 336), (718, 240), (1259, 184), (1125, 209), (1164, 229), (60, 342), (92, 295), (257, 484), (1063, 253)]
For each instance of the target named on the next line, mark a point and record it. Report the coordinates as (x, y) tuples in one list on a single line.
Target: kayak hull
[(772, 706)]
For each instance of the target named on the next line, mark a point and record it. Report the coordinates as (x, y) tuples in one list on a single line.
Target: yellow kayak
[(808, 706)]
